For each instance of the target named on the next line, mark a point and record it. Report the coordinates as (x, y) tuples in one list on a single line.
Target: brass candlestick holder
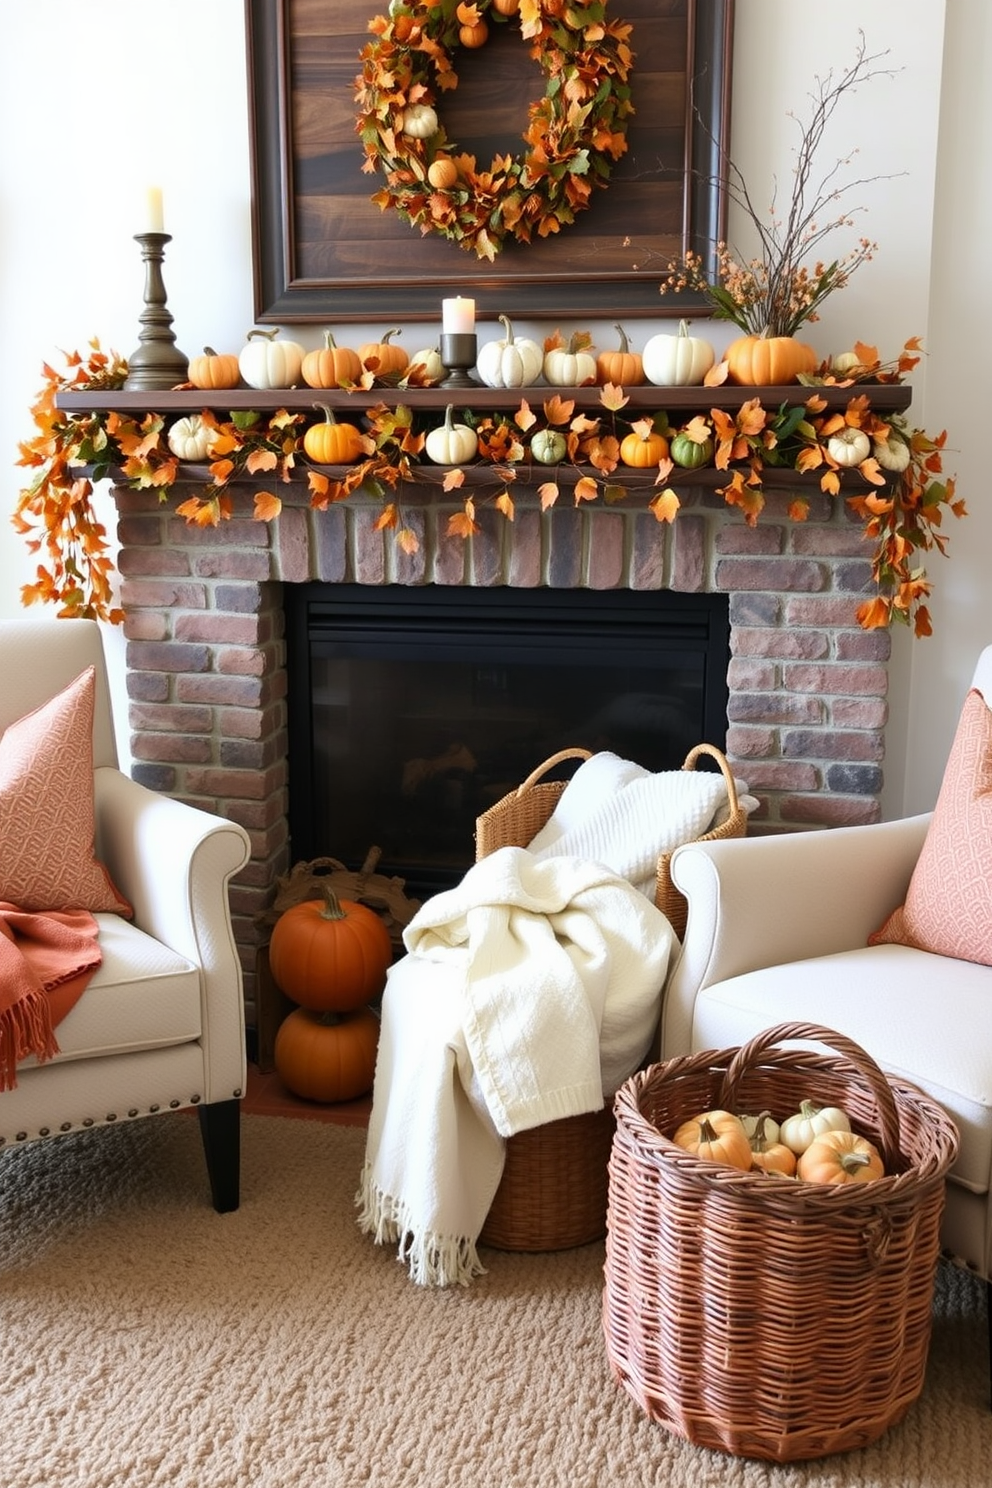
[(158, 362), (458, 353)]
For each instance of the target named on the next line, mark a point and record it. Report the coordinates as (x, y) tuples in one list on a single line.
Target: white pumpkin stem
[(505, 321), (266, 335)]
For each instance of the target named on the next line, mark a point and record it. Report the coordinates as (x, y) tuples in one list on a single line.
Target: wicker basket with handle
[(765, 1316), (553, 1191)]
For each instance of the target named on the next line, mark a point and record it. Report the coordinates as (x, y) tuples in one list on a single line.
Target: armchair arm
[(173, 862), (764, 901)]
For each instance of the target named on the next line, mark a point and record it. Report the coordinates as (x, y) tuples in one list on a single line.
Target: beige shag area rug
[(146, 1341)]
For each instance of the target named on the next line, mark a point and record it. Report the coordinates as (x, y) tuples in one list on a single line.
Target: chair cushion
[(917, 1015), (47, 857), (142, 996), (948, 908)]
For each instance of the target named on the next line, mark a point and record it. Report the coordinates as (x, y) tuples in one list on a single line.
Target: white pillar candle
[(154, 219), (458, 316)]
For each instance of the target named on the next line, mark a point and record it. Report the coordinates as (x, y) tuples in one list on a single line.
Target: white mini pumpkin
[(267, 362), (451, 443), (512, 362), (849, 446), (190, 439), (573, 365), (677, 361)]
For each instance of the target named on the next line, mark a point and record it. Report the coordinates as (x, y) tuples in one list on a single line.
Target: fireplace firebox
[(413, 710)]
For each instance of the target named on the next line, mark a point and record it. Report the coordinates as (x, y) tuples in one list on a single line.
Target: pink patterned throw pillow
[(46, 808), (948, 908)]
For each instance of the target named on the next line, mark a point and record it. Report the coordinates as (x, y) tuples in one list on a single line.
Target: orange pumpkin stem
[(332, 905)]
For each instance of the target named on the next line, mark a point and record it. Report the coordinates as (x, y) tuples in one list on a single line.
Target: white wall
[(99, 100)]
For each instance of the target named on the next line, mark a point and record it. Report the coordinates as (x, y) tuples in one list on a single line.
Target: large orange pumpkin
[(768, 361), (327, 1056), (330, 954)]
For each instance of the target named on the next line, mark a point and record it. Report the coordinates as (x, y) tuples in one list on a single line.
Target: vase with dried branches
[(782, 286)]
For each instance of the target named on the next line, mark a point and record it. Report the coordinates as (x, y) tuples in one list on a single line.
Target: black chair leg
[(220, 1128)]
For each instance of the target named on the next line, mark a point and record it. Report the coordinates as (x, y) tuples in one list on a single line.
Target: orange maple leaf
[(874, 613), (453, 480), (586, 489), (717, 375), (387, 517), (614, 398), (525, 417), (221, 471), (462, 524), (698, 429), (267, 506), (504, 504), (559, 410), (408, 541), (261, 460), (548, 492), (665, 506)]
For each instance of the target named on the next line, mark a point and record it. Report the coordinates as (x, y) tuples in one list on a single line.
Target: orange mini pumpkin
[(716, 1136), (623, 366), (840, 1157), (333, 443), (331, 365), (330, 954), (214, 369), (641, 450), (382, 357)]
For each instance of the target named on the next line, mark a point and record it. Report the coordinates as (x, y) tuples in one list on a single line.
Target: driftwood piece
[(386, 896)]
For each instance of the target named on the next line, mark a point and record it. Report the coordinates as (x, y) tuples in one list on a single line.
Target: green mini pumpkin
[(689, 453)]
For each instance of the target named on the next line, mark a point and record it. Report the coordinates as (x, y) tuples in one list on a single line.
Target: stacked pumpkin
[(330, 956)]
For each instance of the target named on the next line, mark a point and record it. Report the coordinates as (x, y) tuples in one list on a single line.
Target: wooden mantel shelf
[(885, 398), (682, 402)]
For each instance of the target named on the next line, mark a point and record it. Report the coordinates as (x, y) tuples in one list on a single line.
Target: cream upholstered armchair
[(779, 929), (159, 1024)]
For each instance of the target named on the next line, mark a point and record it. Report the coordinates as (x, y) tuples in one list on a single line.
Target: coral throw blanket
[(46, 961)]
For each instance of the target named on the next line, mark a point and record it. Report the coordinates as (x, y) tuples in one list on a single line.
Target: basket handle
[(763, 1049), (555, 759), (721, 759)]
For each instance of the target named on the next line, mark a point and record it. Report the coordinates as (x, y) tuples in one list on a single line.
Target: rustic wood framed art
[(323, 251)]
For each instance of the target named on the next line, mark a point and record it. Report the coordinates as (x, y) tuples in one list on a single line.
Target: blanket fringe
[(25, 1028), (432, 1260)]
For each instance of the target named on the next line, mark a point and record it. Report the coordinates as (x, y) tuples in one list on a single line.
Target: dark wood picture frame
[(322, 251)]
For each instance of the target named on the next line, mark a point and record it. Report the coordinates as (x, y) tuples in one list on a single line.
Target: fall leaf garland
[(901, 515), (574, 134)]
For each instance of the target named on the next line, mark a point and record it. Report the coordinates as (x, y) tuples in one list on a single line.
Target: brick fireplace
[(206, 655)]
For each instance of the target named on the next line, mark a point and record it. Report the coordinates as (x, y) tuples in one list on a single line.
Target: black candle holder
[(158, 362), (458, 353)]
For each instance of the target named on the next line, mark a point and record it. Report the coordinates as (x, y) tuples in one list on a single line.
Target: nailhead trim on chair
[(88, 1121)]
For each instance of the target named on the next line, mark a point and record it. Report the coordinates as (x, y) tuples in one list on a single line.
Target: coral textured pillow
[(948, 906), (46, 808)]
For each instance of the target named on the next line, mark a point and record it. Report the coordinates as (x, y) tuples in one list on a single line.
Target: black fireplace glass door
[(413, 710)]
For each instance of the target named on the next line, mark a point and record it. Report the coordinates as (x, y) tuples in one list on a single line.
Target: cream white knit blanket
[(529, 993)]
